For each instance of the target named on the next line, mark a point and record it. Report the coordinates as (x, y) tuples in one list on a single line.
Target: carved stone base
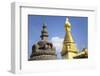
[(43, 57)]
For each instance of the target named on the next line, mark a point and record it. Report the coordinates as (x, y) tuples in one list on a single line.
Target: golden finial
[(67, 21), (67, 25)]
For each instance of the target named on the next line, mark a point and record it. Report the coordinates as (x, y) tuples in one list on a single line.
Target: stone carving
[(43, 49)]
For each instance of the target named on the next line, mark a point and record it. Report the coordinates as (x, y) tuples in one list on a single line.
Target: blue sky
[(56, 31)]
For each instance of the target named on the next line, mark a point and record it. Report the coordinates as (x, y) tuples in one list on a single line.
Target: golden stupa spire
[(68, 37), (67, 21), (69, 47), (67, 25)]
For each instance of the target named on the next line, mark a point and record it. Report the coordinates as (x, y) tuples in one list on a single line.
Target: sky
[(56, 31)]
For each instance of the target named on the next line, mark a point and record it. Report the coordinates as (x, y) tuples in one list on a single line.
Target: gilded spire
[(67, 22), (69, 47), (67, 25), (68, 37)]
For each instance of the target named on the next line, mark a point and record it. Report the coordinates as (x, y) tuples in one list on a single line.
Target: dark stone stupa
[(43, 49)]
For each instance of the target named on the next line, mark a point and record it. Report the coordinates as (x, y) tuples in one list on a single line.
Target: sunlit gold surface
[(69, 49)]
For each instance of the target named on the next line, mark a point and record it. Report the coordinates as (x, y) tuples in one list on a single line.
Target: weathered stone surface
[(43, 49)]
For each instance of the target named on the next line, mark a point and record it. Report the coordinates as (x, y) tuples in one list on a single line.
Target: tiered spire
[(68, 37), (69, 47), (44, 32)]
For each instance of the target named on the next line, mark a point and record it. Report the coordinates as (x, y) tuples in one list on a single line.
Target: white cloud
[(57, 43)]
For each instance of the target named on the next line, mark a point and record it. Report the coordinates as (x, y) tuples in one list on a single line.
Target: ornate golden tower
[(69, 49)]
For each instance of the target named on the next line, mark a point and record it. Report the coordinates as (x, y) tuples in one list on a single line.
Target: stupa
[(70, 50), (43, 49), (69, 47)]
